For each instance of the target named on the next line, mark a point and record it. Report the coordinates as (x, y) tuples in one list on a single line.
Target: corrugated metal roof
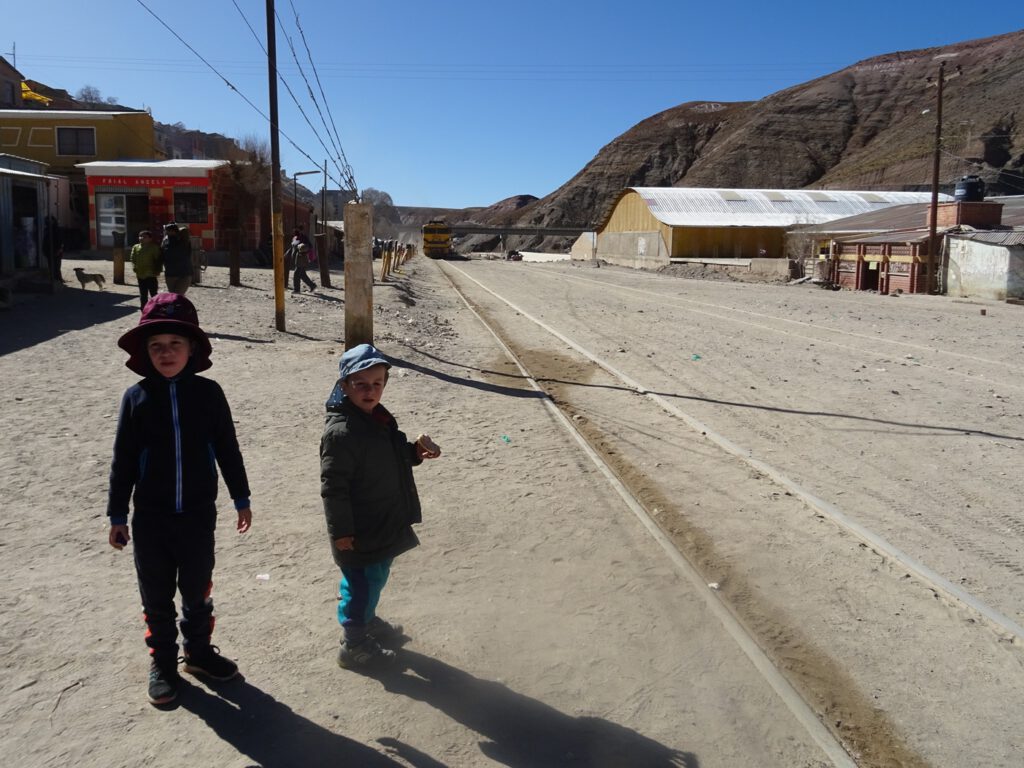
[(910, 217), (705, 207), (886, 220), (1013, 237), (22, 174), (1013, 209), (896, 236)]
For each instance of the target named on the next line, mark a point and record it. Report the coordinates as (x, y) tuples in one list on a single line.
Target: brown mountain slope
[(859, 128)]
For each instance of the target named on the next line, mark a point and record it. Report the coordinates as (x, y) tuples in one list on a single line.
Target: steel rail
[(801, 710), (940, 584)]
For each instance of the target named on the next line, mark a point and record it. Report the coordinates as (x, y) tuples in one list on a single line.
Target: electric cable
[(227, 82), (347, 168)]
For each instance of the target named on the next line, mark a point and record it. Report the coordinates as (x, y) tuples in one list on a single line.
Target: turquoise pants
[(358, 595)]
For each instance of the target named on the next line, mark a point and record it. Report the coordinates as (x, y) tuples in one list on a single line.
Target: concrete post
[(234, 259), (323, 254), (118, 257), (358, 274)]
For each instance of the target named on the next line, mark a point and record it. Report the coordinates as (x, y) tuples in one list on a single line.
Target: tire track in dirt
[(861, 726)]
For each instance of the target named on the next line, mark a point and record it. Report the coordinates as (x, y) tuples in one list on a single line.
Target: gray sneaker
[(367, 655)]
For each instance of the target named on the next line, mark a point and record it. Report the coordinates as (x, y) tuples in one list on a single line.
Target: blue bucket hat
[(359, 358)]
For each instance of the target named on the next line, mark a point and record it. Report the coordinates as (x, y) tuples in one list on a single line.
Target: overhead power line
[(291, 93), (227, 82), (343, 169), (346, 168)]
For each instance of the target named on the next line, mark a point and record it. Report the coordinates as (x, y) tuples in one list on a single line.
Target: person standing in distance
[(147, 263), (176, 251)]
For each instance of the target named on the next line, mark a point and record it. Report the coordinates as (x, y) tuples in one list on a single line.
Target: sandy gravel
[(547, 627)]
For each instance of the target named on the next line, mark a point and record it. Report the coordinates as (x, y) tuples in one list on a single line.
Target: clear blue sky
[(456, 104)]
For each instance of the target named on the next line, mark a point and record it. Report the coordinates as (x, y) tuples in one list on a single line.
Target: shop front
[(127, 197)]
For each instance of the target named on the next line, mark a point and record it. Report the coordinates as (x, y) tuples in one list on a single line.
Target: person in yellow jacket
[(148, 263)]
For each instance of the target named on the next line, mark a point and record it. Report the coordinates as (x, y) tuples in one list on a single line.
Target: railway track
[(803, 674)]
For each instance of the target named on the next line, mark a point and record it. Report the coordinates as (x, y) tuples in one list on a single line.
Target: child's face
[(365, 388), (169, 353)]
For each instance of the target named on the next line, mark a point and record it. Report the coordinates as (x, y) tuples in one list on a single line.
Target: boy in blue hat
[(172, 428), (370, 501)]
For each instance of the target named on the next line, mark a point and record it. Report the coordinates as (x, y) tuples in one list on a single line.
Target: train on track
[(437, 239)]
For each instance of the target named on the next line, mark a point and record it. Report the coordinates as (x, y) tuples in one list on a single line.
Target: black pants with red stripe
[(175, 552)]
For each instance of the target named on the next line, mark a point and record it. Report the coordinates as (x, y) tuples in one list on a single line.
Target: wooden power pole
[(277, 223)]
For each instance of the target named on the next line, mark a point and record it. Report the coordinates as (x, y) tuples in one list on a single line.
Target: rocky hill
[(864, 127)]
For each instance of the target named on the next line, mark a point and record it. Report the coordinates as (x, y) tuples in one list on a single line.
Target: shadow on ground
[(518, 731), (269, 733), (37, 318)]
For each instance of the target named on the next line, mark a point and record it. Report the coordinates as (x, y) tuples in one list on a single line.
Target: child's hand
[(427, 448), (345, 543), (244, 520), (118, 536)]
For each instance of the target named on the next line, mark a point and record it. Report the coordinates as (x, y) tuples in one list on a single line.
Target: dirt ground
[(546, 626)]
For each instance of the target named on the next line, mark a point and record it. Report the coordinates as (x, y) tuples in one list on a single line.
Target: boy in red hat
[(173, 431)]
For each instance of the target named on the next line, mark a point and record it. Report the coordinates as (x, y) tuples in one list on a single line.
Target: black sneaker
[(208, 661), (367, 655), (384, 632), (163, 682)]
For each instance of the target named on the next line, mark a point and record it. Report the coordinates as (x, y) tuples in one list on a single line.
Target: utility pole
[(277, 224), (325, 244), (933, 215)]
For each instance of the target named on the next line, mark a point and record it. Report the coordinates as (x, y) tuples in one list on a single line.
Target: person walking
[(301, 261), (147, 263)]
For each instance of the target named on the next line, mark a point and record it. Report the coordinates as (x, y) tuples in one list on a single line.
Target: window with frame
[(76, 141), (190, 207)]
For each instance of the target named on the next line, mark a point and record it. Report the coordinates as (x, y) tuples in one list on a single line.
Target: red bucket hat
[(166, 313)]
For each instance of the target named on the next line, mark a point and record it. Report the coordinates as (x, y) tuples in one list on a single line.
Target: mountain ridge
[(870, 125)]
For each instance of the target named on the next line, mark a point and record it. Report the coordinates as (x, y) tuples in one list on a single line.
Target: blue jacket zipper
[(177, 447)]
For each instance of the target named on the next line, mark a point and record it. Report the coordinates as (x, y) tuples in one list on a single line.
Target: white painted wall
[(985, 271)]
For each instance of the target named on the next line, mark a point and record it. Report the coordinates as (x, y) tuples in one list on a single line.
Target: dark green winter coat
[(366, 484)]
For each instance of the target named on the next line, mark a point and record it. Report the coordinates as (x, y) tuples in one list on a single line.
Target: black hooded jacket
[(367, 485), (171, 437)]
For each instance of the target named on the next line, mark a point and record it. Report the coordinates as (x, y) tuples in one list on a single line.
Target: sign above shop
[(147, 181)]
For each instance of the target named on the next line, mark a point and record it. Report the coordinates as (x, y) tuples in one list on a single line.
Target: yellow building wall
[(727, 242), (631, 214), (121, 136)]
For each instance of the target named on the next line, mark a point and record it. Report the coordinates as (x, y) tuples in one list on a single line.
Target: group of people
[(175, 430), (172, 256)]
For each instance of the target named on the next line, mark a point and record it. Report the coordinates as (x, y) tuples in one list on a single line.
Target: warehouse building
[(650, 227)]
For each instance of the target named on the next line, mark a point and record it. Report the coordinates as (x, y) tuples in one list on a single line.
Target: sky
[(456, 103)]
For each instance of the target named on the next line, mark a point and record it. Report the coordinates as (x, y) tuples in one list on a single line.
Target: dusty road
[(548, 626), (844, 466)]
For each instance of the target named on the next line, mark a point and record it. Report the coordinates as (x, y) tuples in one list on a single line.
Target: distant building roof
[(892, 236), (1013, 209), (708, 207), (900, 217), (70, 114), (910, 216), (150, 168), (1011, 237)]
